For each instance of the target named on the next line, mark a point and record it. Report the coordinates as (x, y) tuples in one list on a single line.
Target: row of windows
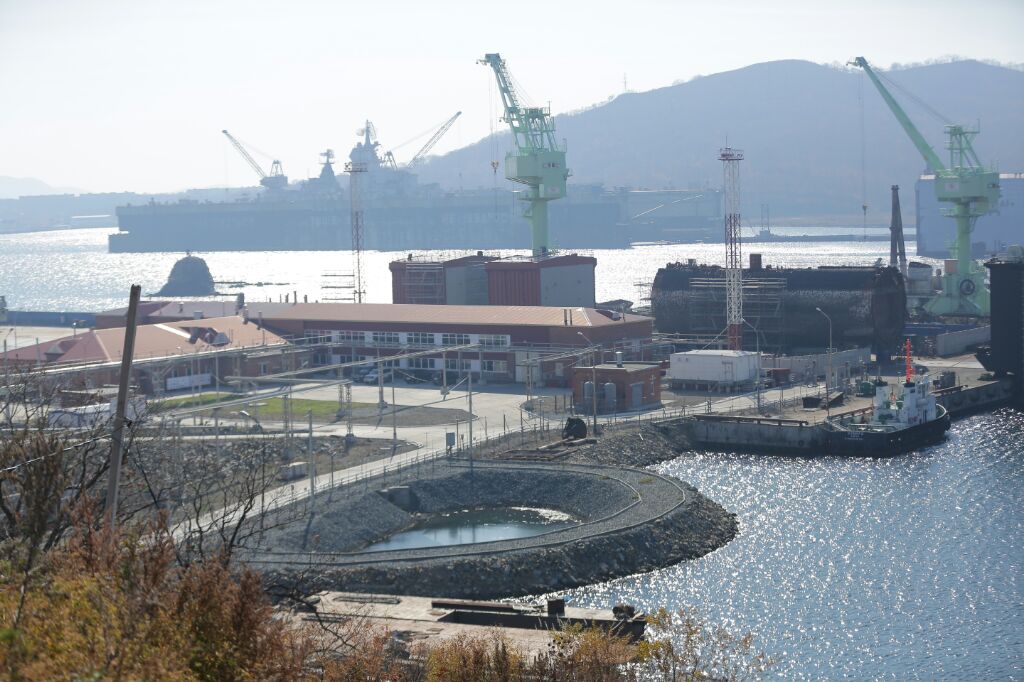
[(411, 338)]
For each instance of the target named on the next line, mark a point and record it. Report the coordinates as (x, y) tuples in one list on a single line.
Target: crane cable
[(493, 143), (863, 159)]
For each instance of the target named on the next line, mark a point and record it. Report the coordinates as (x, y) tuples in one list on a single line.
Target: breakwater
[(632, 521)]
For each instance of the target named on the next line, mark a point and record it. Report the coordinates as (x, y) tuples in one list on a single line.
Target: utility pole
[(117, 436), (593, 370), (828, 409), (311, 457), (469, 389)]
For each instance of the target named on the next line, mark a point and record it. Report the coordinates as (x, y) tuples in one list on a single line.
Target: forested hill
[(799, 124)]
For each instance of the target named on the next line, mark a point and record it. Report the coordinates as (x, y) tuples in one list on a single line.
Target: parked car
[(371, 377)]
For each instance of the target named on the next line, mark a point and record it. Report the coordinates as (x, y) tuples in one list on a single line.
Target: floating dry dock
[(429, 619)]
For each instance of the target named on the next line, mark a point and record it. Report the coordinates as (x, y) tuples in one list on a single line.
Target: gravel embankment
[(634, 521)]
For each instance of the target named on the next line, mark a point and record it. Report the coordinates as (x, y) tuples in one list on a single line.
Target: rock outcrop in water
[(190, 276)]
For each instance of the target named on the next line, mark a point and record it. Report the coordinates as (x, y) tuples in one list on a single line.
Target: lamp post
[(757, 349), (828, 410), (593, 391)]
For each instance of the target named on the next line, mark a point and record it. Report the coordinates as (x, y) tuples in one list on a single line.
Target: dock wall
[(955, 343), (763, 436)]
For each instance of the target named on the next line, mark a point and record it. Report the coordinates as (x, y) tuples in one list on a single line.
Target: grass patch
[(189, 401), (270, 409)]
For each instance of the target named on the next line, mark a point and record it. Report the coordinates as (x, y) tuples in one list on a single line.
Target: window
[(494, 340), (349, 337), (454, 339), (422, 363), (385, 338), (264, 367), (453, 364), (317, 336), (495, 366), (420, 338)]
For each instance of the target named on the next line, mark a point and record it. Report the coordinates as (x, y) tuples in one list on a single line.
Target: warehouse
[(512, 340)]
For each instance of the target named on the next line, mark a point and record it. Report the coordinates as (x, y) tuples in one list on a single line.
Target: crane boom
[(538, 160), (425, 149), (972, 190), (276, 180), (245, 155), (925, 149)]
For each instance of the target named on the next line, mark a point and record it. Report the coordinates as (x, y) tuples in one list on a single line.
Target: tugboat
[(898, 423)]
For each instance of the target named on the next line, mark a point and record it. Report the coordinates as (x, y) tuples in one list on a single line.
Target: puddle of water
[(476, 525)]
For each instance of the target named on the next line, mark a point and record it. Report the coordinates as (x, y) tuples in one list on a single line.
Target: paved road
[(492, 405)]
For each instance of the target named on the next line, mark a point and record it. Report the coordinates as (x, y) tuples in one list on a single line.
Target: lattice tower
[(730, 159), (355, 189)]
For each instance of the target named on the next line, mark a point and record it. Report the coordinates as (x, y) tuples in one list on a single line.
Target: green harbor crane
[(538, 160), (971, 188)]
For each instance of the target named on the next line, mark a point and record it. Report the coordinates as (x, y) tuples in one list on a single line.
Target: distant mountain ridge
[(799, 124), (12, 188)]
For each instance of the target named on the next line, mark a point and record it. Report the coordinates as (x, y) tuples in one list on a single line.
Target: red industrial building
[(621, 386), (566, 280)]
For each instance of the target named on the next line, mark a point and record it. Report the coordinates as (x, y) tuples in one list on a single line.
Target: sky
[(131, 95)]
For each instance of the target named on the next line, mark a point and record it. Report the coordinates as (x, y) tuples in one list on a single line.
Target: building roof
[(718, 353), (626, 366), (151, 341), (534, 263), (460, 315)]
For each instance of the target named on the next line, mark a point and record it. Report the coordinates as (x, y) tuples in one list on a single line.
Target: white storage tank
[(719, 367)]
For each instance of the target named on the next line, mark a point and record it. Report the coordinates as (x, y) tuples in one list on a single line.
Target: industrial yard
[(538, 386)]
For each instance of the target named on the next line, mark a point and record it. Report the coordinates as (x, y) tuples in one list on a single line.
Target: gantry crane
[(538, 160), (276, 179), (972, 189)]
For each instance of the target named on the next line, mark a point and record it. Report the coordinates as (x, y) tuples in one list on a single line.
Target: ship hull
[(888, 443)]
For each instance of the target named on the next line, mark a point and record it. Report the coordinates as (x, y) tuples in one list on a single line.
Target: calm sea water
[(905, 568), (72, 271)]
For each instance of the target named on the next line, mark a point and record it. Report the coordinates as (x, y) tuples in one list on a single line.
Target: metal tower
[(356, 172), (730, 159), (972, 189), (538, 160), (897, 244)]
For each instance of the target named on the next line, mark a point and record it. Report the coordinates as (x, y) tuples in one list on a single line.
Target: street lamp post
[(593, 388), (828, 410), (757, 349)]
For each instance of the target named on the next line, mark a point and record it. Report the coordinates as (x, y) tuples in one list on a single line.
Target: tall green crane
[(538, 160), (971, 188)]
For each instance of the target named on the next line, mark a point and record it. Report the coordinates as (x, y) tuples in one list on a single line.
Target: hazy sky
[(113, 95)]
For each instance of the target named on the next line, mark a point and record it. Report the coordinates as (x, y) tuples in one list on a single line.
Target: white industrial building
[(723, 370)]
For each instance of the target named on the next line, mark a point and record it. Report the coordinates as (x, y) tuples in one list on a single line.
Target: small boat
[(898, 422)]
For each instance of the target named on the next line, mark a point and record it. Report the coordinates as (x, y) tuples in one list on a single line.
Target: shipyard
[(478, 374)]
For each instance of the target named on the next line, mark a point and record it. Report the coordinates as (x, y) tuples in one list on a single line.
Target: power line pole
[(117, 436)]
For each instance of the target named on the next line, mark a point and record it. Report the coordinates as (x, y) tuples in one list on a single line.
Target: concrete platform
[(430, 620)]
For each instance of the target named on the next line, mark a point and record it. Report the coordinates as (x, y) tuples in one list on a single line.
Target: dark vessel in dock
[(867, 305)]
